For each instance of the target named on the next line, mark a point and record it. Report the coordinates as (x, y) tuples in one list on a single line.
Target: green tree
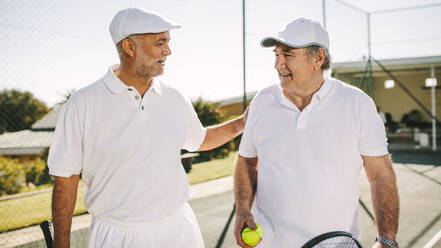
[(66, 97), (34, 170), (19, 110), (16, 173), (45, 177), (11, 176), (208, 115), (207, 112)]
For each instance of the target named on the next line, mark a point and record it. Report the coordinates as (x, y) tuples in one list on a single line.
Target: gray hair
[(313, 50), (119, 48)]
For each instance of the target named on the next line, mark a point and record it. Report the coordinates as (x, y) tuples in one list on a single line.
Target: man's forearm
[(245, 183), (386, 205), (63, 204), (220, 134), (384, 193)]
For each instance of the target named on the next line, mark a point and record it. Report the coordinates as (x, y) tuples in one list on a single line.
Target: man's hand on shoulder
[(245, 116), (220, 134)]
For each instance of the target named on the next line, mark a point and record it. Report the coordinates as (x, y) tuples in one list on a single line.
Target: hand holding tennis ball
[(251, 237)]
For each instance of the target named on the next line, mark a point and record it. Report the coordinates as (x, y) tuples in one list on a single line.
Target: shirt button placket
[(299, 121), (138, 102), (303, 118)]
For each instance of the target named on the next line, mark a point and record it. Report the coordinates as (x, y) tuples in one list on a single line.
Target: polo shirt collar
[(324, 89), (319, 95), (116, 86), (284, 100), (156, 86)]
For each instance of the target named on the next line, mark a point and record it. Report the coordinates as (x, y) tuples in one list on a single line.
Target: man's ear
[(129, 47), (321, 55)]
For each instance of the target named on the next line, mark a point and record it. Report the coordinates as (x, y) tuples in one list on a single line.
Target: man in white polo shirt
[(305, 142), (124, 134)]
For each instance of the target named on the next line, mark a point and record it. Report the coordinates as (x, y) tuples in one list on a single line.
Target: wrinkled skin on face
[(151, 53), (294, 67)]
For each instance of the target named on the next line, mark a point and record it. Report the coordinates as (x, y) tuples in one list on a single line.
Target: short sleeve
[(65, 153), (194, 131), (372, 134), (247, 147)]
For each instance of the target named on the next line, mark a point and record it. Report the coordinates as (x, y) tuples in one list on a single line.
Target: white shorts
[(179, 230)]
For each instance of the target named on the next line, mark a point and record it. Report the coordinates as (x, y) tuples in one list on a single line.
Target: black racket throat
[(48, 232), (338, 239)]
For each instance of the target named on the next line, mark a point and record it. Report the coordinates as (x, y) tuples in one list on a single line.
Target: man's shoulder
[(267, 94), (264, 99), (346, 90), (90, 90), (80, 97), (164, 86), (169, 90)]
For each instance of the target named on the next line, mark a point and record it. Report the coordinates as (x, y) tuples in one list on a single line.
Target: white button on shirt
[(310, 161), (127, 148)]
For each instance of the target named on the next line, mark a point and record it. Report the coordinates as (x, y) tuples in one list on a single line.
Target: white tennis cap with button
[(138, 21), (300, 33)]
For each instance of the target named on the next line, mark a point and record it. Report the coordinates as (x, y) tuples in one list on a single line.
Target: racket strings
[(337, 242), (51, 228)]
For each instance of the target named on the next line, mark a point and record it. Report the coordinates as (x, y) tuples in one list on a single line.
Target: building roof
[(25, 142), (237, 99), (49, 121), (401, 64), (390, 64)]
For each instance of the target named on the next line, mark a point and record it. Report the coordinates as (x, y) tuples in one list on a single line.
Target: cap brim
[(269, 41), (150, 31), (272, 41), (175, 26), (162, 29)]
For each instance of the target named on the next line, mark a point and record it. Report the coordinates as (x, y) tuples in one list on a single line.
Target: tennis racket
[(48, 232), (337, 239)]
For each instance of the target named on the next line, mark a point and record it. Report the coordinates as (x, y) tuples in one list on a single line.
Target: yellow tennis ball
[(251, 237)]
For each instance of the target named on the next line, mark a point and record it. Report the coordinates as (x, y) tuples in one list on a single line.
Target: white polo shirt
[(309, 161), (127, 148)]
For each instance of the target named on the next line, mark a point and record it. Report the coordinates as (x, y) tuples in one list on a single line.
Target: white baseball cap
[(299, 33), (138, 21)]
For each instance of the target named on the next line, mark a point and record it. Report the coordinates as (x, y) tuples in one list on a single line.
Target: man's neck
[(301, 97), (129, 78)]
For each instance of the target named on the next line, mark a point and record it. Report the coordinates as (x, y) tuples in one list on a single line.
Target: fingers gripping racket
[(333, 240), (48, 232)]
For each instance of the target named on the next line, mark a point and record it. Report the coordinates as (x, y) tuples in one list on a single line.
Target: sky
[(49, 47)]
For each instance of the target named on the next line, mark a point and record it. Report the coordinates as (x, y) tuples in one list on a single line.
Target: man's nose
[(167, 50), (280, 62)]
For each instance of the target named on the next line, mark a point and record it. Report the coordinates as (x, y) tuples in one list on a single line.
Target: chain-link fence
[(59, 46), (51, 47)]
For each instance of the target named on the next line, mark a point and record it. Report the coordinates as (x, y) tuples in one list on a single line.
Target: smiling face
[(294, 66), (151, 53)]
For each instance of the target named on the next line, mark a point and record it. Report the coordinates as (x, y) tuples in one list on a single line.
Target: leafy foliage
[(10, 175), (34, 170), (45, 177), (66, 97), (19, 110), (208, 115), (15, 173)]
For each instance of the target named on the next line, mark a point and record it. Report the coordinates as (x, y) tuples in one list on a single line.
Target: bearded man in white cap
[(305, 142), (124, 134)]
